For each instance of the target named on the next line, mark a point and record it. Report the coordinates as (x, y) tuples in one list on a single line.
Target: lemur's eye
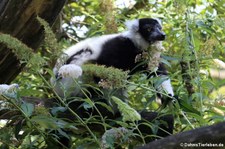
[(149, 29)]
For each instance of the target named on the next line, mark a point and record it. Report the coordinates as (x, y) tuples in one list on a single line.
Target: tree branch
[(202, 136)]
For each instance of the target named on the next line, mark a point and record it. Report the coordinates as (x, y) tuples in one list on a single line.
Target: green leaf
[(55, 110), (168, 4), (188, 108), (164, 61), (27, 108), (160, 80), (170, 58), (51, 123), (87, 105), (61, 132), (128, 113), (30, 92), (205, 27), (197, 117)]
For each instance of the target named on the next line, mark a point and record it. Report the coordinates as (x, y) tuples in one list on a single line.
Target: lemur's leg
[(166, 85), (68, 71)]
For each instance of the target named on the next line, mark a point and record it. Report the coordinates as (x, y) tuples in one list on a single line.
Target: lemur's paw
[(70, 70)]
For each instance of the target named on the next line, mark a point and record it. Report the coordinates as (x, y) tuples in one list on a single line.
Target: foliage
[(121, 135), (128, 113), (195, 36), (51, 46), (19, 49)]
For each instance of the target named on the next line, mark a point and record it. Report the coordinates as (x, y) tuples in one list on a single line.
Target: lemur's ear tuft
[(132, 25)]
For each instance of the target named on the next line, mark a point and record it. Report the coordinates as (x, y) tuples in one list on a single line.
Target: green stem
[(140, 134), (182, 113)]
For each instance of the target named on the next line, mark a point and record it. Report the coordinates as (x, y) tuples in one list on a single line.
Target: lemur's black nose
[(163, 36)]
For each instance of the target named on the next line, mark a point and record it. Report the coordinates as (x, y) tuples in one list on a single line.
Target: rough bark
[(203, 137), (18, 18)]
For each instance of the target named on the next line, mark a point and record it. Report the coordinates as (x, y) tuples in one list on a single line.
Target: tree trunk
[(18, 18)]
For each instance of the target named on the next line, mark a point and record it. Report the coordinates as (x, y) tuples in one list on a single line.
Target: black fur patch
[(119, 52)]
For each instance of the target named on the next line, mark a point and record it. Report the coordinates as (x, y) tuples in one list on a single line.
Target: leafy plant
[(195, 36)]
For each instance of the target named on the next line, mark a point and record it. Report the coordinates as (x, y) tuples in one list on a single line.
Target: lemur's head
[(150, 29)]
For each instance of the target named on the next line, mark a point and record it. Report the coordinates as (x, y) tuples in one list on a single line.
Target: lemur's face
[(151, 30)]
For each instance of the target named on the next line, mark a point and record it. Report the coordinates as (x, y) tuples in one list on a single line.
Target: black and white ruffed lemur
[(115, 50)]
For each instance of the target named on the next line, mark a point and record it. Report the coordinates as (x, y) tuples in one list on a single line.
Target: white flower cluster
[(8, 90), (152, 55), (4, 88), (119, 135), (154, 58)]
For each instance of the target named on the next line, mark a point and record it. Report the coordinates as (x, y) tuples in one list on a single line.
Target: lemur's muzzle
[(161, 36)]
